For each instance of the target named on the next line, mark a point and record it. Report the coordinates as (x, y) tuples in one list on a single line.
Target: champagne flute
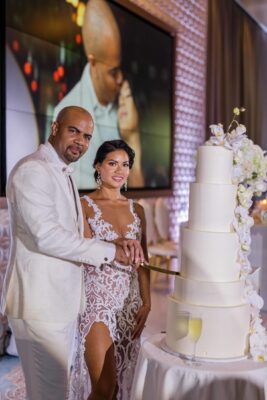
[(182, 324), (194, 333)]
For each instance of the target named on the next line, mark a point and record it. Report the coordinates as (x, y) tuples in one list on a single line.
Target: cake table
[(258, 257), (162, 376)]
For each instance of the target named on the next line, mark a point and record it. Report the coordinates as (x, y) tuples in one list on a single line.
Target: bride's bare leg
[(100, 361)]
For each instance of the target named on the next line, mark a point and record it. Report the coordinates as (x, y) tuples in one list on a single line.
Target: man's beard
[(69, 156)]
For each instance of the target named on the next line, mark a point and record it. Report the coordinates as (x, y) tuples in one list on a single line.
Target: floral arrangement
[(250, 176)]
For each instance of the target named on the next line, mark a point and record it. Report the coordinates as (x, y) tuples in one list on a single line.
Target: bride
[(117, 296)]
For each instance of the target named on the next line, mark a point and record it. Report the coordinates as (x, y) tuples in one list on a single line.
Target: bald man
[(99, 88), (43, 288)]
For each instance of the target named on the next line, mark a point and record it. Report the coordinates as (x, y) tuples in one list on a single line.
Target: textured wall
[(4, 251), (189, 18)]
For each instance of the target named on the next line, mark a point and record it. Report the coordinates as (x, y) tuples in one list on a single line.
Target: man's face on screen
[(107, 75)]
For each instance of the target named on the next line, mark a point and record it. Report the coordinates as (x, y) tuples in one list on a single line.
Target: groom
[(43, 289)]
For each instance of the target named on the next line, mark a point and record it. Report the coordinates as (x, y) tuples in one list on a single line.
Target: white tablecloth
[(258, 257), (162, 376)]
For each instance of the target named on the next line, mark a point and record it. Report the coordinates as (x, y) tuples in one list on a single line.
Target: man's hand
[(129, 251)]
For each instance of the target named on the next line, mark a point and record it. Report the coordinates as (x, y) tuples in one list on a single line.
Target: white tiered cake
[(209, 283)]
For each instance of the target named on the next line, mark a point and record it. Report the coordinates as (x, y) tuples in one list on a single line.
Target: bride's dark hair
[(112, 145)]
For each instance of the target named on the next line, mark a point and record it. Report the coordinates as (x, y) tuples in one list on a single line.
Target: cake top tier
[(214, 165)]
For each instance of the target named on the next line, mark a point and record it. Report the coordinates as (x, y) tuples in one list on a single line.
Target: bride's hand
[(132, 249), (140, 318)]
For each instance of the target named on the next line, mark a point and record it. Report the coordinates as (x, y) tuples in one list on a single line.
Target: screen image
[(119, 67)]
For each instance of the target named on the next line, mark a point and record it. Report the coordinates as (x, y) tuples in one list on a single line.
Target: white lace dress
[(112, 297)]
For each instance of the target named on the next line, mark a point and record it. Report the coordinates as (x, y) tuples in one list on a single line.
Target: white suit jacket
[(44, 274)]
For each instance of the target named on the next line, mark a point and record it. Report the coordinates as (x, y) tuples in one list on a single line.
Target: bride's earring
[(98, 181), (125, 185)]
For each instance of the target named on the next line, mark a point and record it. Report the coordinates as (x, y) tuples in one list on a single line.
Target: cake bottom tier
[(224, 330)]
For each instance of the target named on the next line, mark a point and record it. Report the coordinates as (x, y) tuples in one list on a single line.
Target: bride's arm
[(144, 274), (144, 279)]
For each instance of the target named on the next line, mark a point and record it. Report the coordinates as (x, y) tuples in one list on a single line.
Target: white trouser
[(45, 351)]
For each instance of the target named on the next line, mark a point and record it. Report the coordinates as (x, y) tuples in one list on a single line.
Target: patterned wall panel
[(189, 19), (4, 251)]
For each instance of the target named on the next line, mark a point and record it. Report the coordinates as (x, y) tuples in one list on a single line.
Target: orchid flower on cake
[(250, 176)]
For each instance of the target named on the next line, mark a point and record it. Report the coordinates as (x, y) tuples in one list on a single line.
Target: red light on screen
[(78, 38), (55, 76), (27, 68), (34, 85), (60, 71), (15, 45)]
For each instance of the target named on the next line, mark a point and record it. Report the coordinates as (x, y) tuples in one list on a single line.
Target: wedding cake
[(209, 284)]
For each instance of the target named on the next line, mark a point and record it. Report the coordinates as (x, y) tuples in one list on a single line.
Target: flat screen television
[(45, 61)]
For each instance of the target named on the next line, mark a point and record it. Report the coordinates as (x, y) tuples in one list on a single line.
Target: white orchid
[(245, 198), (217, 130), (260, 187), (258, 337), (238, 157), (241, 129), (257, 324), (235, 137), (254, 299)]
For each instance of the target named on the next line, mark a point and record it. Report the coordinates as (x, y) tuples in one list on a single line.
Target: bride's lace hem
[(112, 297)]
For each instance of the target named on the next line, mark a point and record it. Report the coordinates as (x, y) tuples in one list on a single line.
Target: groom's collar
[(56, 160)]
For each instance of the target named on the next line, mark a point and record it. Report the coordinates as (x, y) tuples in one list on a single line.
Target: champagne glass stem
[(194, 351)]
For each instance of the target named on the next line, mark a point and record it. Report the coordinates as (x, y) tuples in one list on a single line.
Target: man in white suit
[(43, 290)]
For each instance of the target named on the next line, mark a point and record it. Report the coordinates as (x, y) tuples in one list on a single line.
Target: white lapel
[(79, 207), (61, 178)]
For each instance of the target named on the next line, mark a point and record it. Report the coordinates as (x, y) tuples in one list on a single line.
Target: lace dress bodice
[(106, 231), (112, 297)]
